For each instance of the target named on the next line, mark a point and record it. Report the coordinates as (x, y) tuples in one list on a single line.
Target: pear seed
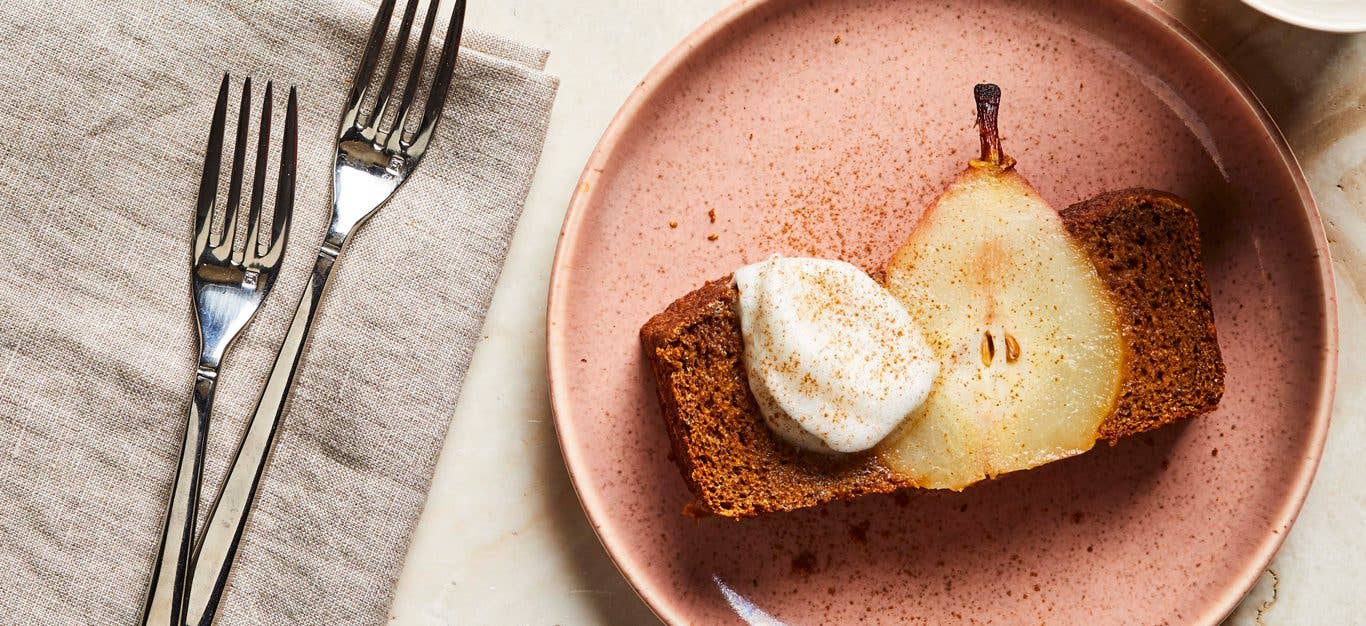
[(988, 348), (1012, 349)]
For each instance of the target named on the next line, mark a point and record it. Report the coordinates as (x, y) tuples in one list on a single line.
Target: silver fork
[(229, 282), (372, 161)]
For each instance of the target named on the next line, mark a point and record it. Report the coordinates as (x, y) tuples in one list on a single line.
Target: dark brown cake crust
[(1145, 245)]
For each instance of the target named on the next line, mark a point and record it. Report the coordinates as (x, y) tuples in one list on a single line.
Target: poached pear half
[(1028, 341)]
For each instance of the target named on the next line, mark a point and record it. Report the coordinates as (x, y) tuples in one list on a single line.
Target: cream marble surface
[(503, 540)]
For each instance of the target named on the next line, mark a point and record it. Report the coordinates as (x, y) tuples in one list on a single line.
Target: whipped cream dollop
[(834, 360)]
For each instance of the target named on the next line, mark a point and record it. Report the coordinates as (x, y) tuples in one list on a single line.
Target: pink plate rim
[(591, 501)]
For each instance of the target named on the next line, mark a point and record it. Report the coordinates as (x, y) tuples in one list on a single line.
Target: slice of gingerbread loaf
[(1145, 246)]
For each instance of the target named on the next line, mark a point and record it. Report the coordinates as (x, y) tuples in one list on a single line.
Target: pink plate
[(823, 128)]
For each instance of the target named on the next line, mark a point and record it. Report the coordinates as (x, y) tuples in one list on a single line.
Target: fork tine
[(252, 250), (208, 181), (284, 187), (233, 208), (395, 140), (441, 82), (361, 83), (385, 93)]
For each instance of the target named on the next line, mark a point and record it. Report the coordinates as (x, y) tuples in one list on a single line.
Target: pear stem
[(988, 98)]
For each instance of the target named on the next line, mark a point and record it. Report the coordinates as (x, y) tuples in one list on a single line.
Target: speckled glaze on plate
[(824, 128)]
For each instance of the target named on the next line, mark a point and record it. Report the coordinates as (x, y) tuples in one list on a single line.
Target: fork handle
[(223, 531), (166, 593)]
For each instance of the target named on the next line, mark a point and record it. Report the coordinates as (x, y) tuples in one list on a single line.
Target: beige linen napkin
[(104, 110)]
